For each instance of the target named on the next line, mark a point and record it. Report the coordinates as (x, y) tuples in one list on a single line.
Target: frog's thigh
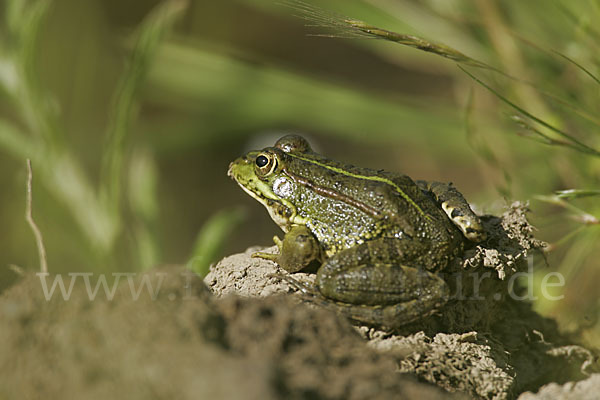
[(381, 284), (384, 295), (370, 283)]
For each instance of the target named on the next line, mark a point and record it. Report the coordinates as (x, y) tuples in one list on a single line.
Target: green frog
[(379, 239)]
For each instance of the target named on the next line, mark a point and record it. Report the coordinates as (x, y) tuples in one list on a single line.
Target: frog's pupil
[(261, 161)]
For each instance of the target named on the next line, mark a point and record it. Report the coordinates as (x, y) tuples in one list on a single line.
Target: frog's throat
[(264, 196), (368, 178)]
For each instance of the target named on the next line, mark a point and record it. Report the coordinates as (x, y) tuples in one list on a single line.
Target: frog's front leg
[(298, 249), (457, 208), (371, 284)]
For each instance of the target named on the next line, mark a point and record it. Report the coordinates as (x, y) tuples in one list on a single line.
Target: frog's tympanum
[(379, 238)]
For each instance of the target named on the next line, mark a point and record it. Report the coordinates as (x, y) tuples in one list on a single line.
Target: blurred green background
[(131, 112)]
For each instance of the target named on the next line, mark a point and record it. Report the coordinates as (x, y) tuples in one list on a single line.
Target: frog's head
[(263, 175)]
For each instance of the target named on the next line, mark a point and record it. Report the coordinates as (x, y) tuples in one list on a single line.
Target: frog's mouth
[(280, 212)]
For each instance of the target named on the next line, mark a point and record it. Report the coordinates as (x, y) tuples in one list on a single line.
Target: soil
[(248, 335)]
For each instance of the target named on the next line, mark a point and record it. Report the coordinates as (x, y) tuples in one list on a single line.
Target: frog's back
[(410, 200), (345, 205)]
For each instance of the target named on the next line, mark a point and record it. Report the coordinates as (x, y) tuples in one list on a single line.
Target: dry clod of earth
[(586, 389)]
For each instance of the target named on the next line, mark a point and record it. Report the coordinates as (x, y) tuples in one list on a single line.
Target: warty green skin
[(379, 237)]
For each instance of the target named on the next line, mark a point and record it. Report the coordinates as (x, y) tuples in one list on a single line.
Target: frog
[(380, 240)]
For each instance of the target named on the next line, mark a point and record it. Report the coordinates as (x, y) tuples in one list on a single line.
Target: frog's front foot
[(298, 249)]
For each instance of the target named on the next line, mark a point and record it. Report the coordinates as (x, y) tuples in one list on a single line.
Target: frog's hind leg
[(386, 316), (369, 284), (389, 316), (457, 208)]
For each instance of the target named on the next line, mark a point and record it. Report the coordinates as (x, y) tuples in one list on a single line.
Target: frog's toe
[(266, 256)]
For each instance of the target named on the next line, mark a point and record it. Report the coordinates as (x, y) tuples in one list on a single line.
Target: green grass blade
[(124, 102), (33, 103), (211, 238), (143, 202), (16, 142), (554, 97), (578, 145), (574, 108), (581, 67), (579, 215), (576, 20), (576, 193)]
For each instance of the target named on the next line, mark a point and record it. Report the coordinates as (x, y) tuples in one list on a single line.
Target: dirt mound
[(176, 341), (163, 334), (484, 342)]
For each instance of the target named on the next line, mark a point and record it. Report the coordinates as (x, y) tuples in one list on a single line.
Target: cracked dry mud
[(252, 338)]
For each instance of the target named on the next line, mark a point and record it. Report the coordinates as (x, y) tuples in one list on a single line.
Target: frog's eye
[(265, 163), (261, 161)]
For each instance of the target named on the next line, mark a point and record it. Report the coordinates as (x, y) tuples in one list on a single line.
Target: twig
[(39, 240)]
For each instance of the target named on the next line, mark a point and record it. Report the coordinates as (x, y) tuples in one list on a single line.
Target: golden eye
[(265, 163)]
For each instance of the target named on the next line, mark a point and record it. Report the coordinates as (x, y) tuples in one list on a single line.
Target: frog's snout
[(238, 166)]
